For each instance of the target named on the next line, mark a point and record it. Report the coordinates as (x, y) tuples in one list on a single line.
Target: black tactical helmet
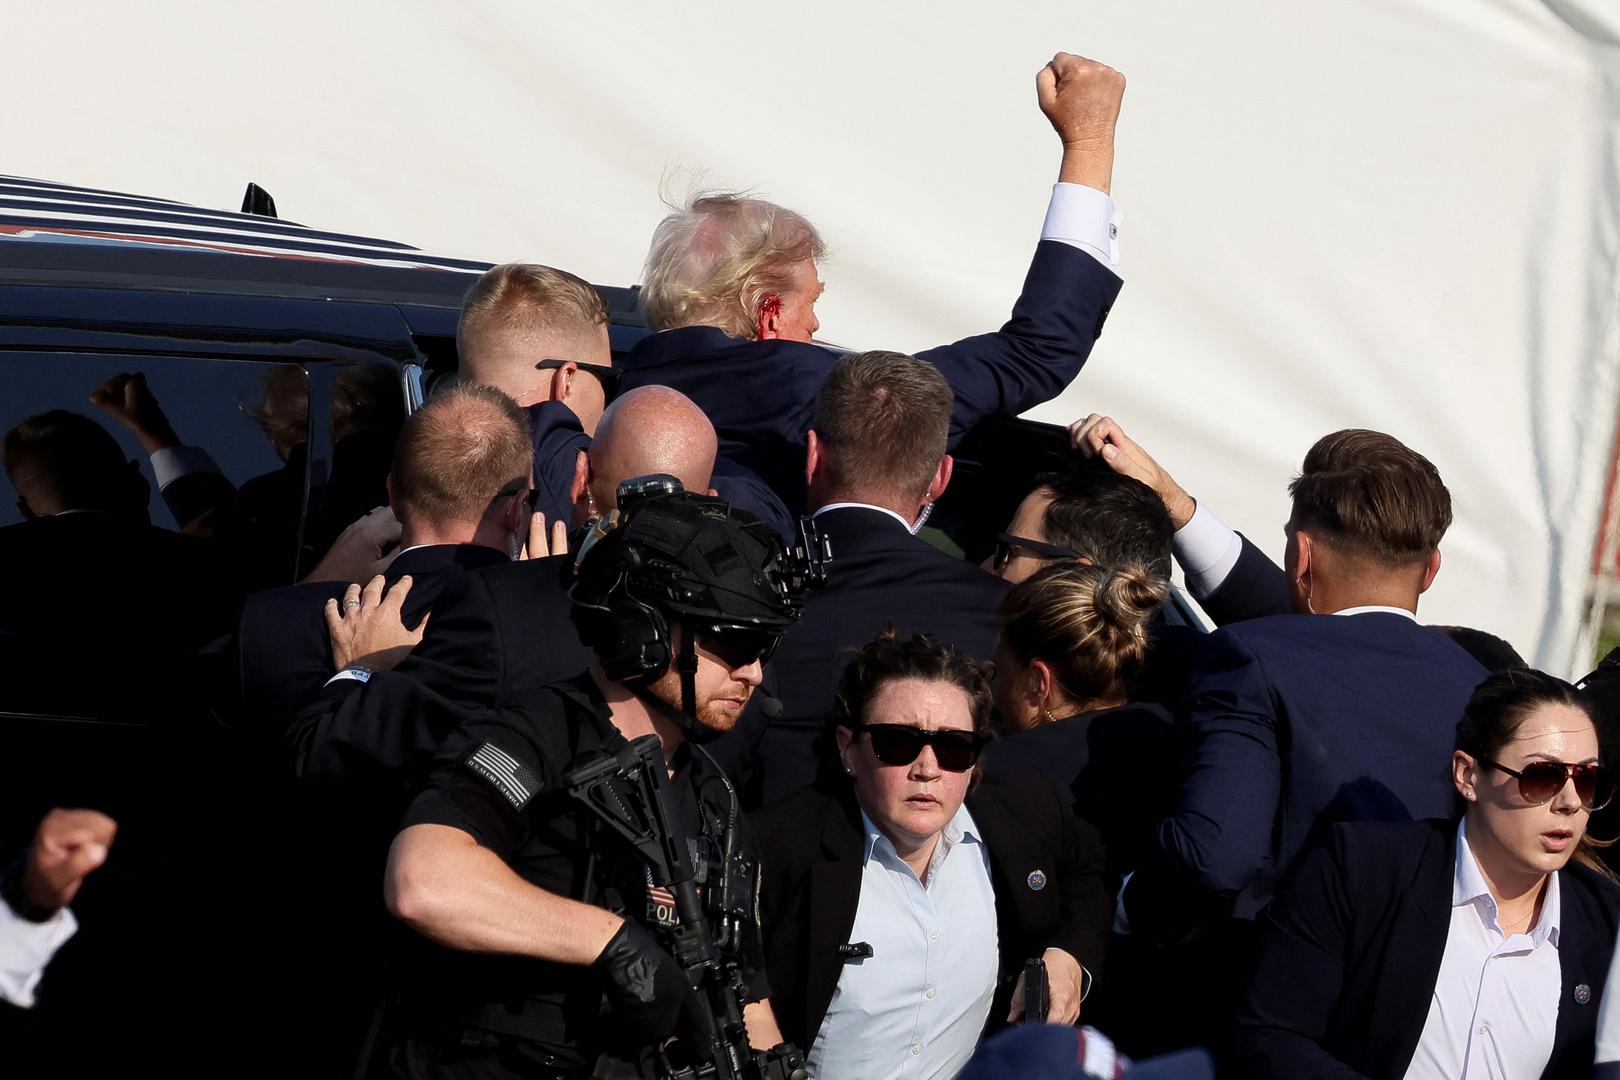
[(672, 556)]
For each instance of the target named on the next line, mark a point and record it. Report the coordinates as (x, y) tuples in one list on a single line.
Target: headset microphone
[(769, 704)]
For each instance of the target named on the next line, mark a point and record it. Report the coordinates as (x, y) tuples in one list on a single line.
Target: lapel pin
[(1583, 994), (1037, 880)]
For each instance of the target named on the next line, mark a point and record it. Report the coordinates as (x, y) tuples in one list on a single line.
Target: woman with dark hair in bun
[(1074, 636), (1471, 947)]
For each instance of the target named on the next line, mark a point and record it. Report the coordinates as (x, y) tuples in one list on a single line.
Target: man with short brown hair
[(874, 466), (1340, 711), (460, 488)]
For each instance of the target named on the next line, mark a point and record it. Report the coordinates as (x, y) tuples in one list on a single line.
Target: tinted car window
[(206, 402)]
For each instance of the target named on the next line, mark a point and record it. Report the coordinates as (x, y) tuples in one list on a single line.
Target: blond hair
[(523, 302), (1089, 624), (716, 258)]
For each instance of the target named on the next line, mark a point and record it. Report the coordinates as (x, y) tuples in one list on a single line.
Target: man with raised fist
[(732, 282)]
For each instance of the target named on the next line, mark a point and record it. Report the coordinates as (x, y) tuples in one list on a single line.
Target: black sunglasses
[(1007, 541), (739, 646), (1540, 781), (901, 744), (609, 377)]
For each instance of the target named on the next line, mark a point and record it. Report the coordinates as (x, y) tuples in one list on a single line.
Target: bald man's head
[(519, 314), (651, 429)]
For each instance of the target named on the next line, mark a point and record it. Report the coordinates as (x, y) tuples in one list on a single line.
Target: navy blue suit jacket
[(880, 575), (761, 395), (558, 440), (1300, 721), (1351, 949)]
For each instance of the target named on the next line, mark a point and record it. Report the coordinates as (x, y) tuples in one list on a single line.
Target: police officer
[(549, 955)]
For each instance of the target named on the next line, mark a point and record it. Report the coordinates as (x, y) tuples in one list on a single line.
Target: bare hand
[(538, 546), (1100, 436), (357, 553), (1063, 990), (67, 846), (1081, 98), (126, 398), (368, 627)]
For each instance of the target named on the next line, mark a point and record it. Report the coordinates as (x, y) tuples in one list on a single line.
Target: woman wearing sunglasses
[(901, 899), (1073, 638), (1476, 947)]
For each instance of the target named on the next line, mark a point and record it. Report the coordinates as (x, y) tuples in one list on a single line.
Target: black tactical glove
[(645, 985)]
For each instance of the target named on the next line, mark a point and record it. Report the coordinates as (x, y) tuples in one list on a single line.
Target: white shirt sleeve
[(172, 462), (1207, 548), (1084, 218), (25, 948)]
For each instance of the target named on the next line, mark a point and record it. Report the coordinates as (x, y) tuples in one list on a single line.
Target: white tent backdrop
[(1399, 214)]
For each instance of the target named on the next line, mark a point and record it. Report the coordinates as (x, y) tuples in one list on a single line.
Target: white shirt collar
[(960, 829), (1376, 607), (1468, 887), (863, 506)]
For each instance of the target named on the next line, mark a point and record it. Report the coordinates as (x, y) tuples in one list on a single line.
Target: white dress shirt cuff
[(358, 674), (172, 462), (1207, 548), (25, 948), (1085, 218)]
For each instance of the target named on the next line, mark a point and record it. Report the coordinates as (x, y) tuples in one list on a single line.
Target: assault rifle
[(629, 792)]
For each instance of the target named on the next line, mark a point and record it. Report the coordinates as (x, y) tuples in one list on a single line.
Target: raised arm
[(1231, 578)]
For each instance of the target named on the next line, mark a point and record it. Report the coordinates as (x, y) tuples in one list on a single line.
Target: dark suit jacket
[(1351, 949), (1257, 587), (495, 631), (284, 653), (1113, 768), (880, 576), (1298, 722), (810, 849), (558, 440), (99, 616), (761, 394)]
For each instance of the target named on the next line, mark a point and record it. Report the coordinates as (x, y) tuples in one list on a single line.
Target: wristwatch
[(11, 892)]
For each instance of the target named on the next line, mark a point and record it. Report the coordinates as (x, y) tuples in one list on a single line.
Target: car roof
[(60, 234)]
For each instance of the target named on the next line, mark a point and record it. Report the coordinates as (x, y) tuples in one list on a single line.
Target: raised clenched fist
[(1081, 98), (67, 846)]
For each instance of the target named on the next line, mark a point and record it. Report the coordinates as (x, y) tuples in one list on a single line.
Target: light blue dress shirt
[(914, 1009)]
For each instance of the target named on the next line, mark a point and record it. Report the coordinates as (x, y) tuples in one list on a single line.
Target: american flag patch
[(516, 782)]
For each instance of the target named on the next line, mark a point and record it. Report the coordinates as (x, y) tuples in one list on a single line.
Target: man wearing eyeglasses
[(535, 913)]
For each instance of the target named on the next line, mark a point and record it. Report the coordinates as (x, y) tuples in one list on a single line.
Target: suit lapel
[(1012, 872), (1585, 947), (835, 893), (1416, 947)]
